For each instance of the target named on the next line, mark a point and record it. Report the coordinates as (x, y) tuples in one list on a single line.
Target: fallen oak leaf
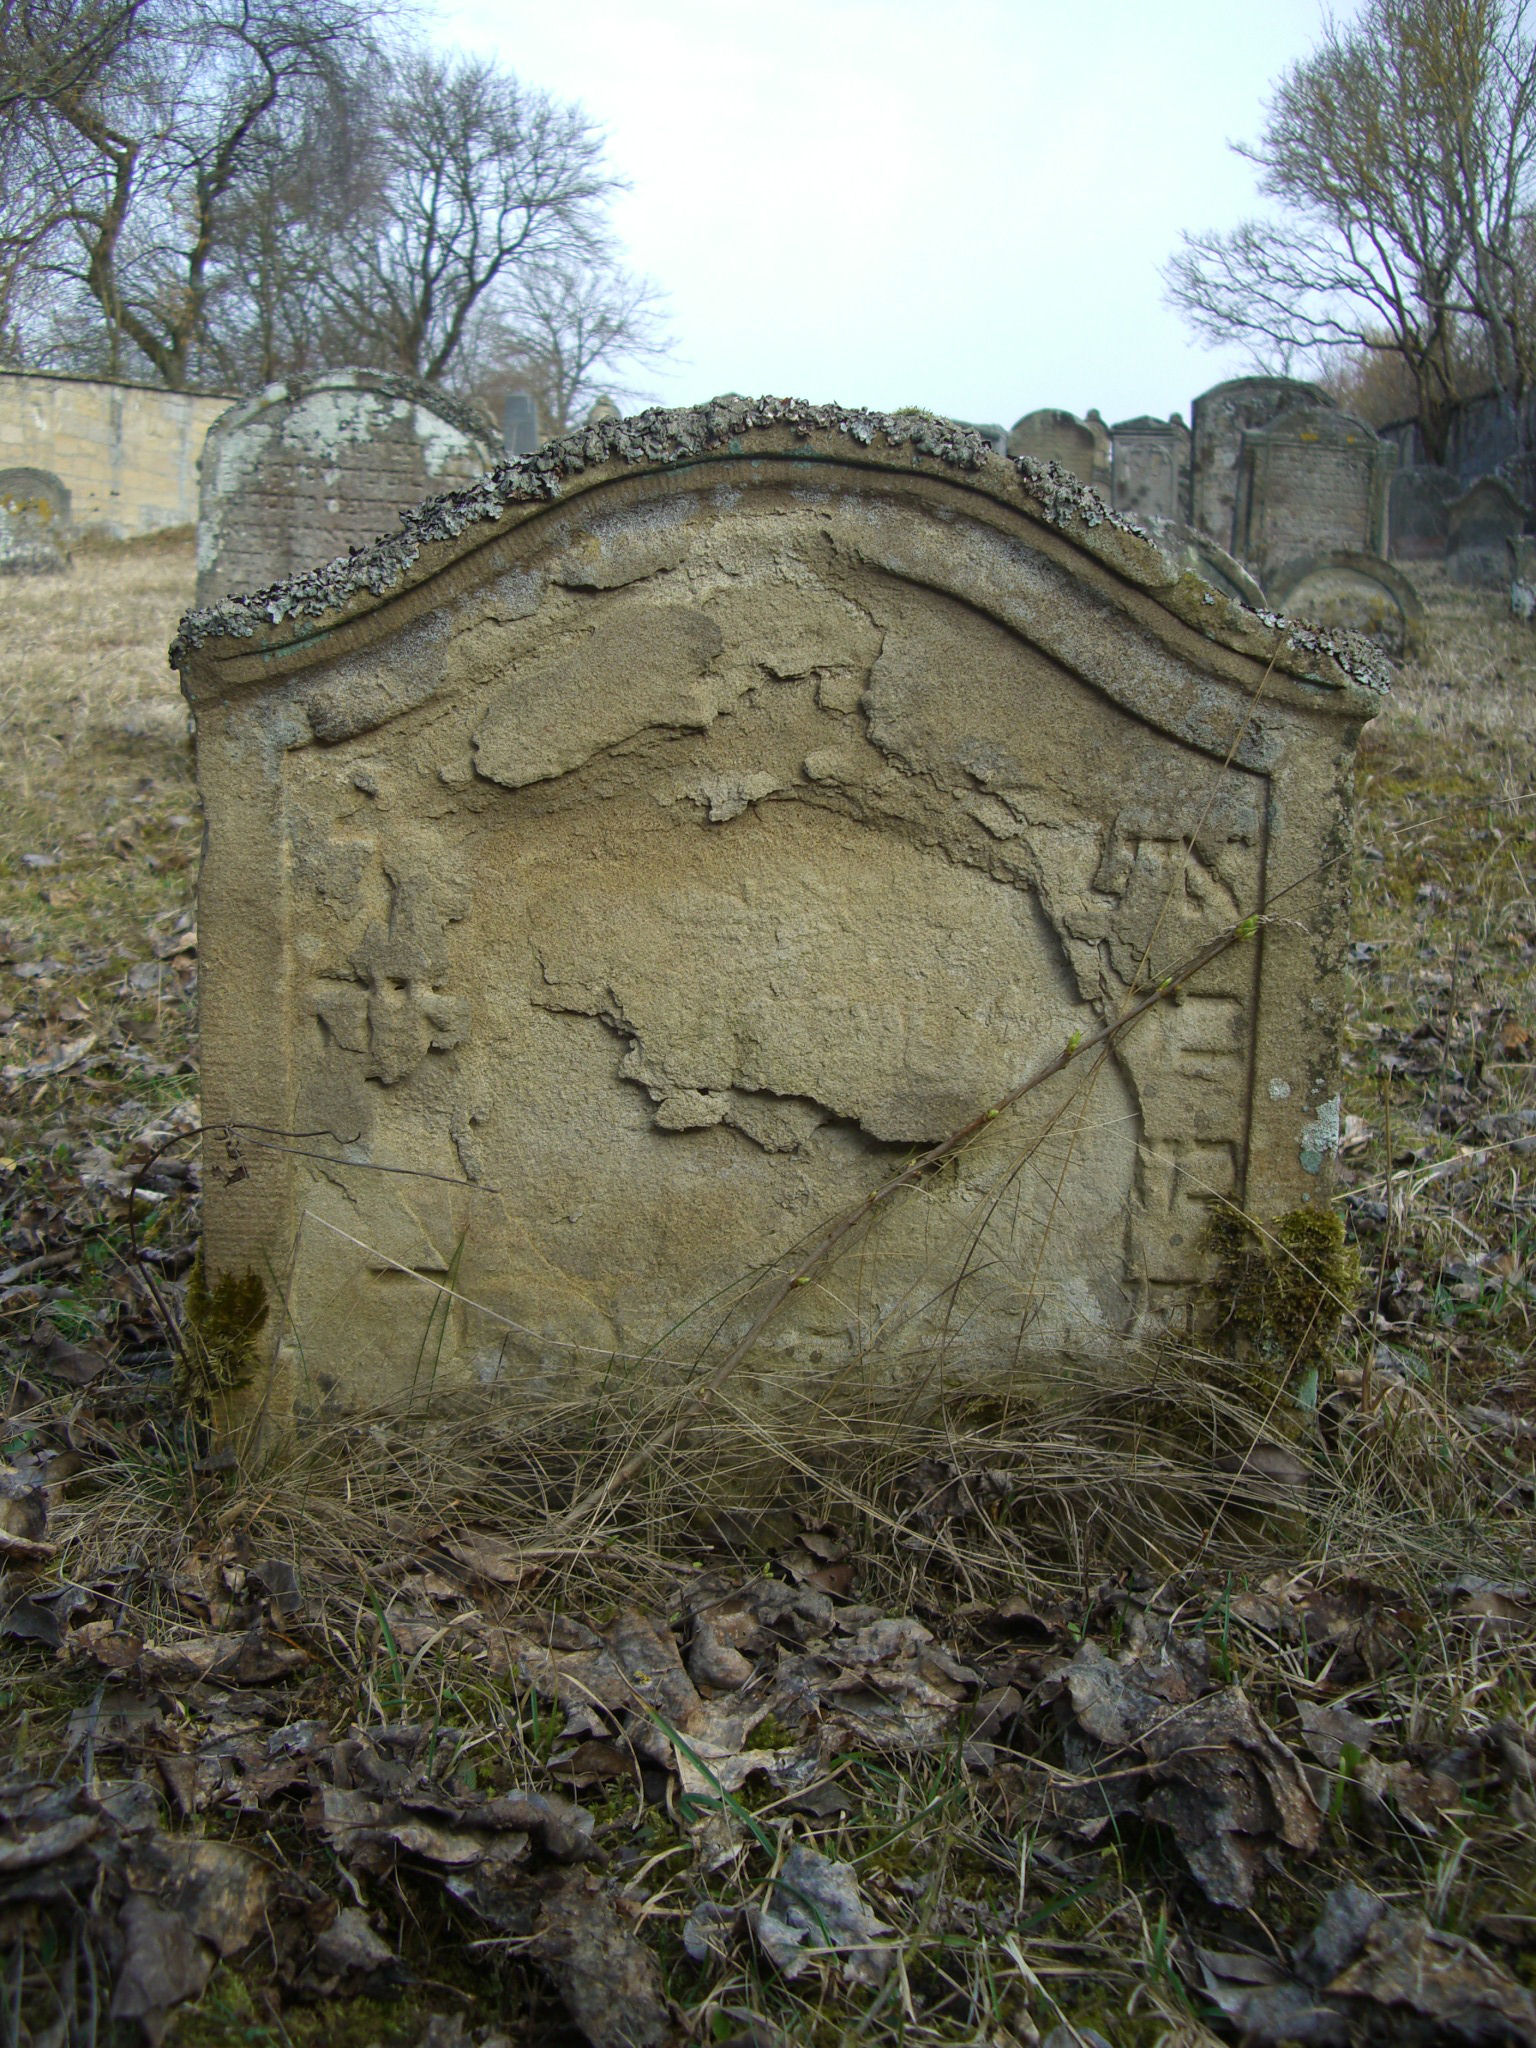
[(607, 1978)]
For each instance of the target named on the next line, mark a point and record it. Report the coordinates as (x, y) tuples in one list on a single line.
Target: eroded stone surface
[(663, 859)]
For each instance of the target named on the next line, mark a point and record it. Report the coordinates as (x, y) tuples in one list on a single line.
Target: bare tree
[(144, 161), (48, 47), (564, 332), (477, 176), (1399, 157)]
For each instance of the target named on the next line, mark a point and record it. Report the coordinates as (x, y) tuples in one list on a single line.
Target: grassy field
[(1206, 1712)]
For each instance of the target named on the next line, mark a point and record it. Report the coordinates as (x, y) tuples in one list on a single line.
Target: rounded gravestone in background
[(1362, 593), (34, 523), (313, 467)]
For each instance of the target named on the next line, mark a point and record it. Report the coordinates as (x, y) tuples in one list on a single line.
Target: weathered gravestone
[(1051, 435), (316, 466), (1218, 420), (1312, 482), (641, 857), (1479, 527), (34, 523), (520, 423), (1150, 467), (1418, 515), (1103, 452), (1357, 593)]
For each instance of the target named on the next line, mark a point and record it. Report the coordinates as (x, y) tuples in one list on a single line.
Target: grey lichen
[(661, 438)]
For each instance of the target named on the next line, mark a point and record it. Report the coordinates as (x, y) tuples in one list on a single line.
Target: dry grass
[(1388, 1498)]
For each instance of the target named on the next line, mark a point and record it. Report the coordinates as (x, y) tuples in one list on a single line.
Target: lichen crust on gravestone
[(665, 436), (636, 865)]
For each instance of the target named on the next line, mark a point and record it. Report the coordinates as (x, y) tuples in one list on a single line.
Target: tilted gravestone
[(1150, 467), (1311, 482), (34, 523), (1418, 512), (1051, 435), (311, 468), (1354, 592), (643, 856), (1479, 527), (1218, 420)]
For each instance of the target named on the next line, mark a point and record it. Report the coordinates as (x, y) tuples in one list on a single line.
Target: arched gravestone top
[(1479, 525), (1218, 419), (1418, 517), (643, 854), (1314, 479), (1354, 592), (1052, 435), (34, 522), (313, 467)]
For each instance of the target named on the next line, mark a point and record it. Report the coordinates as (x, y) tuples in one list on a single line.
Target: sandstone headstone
[(644, 856), (1150, 467), (1479, 527), (519, 423), (1418, 517), (34, 523), (1360, 593), (603, 409), (311, 468), (1312, 482), (1052, 435), (1218, 420)]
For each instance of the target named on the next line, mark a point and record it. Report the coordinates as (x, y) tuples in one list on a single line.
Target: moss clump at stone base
[(224, 1320), (1283, 1290)]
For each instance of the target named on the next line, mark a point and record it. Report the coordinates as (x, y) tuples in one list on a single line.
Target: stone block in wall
[(725, 823), (314, 467)]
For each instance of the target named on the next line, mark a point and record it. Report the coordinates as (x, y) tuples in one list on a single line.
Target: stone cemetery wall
[(1150, 467), (1313, 481), (1480, 525), (642, 858), (1418, 516), (126, 454), (314, 467), (1218, 420), (34, 523), (1051, 435)]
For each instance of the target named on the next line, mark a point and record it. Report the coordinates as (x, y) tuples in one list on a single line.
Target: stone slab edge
[(424, 541)]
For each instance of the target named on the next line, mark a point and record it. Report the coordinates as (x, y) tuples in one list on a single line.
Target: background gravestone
[(520, 423), (1480, 525), (1218, 420), (1522, 575), (1314, 481), (1052, 435), (1418, 515), (1150, 467), (1103, 452), (34, 523), (1360, 593), (311, 468), (660, 847)]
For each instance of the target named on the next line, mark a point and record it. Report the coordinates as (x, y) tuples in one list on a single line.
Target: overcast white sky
[(961, 204)]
